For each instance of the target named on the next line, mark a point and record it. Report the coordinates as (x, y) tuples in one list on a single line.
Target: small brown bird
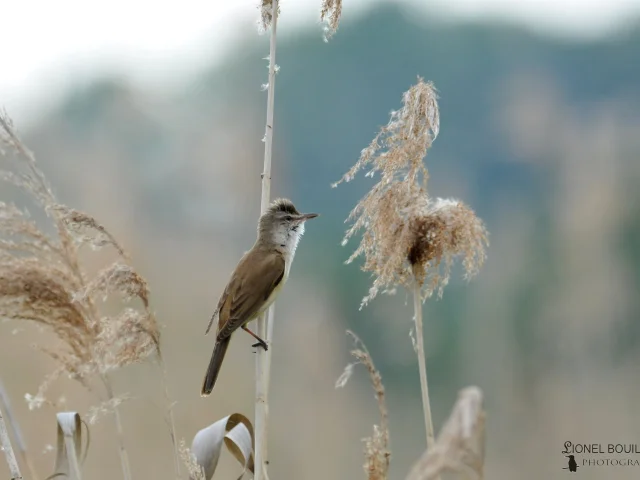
[(256, 280)]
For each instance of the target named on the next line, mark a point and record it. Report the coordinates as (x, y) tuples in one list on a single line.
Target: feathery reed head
[(330, 13), (376, 447), (398, 149), (437, 232), (266, 14), (42, 279), (408, 237)]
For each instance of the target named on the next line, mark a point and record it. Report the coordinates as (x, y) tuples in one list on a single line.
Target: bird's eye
[(288, 218)]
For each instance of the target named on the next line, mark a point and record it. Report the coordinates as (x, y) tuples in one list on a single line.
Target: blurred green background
[(539, 135)]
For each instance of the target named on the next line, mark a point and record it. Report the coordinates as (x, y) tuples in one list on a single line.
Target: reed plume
[(330, 13), (42, 280), (410, 239), (376, 447)]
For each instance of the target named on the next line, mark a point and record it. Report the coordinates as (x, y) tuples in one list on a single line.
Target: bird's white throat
[(286, 240)]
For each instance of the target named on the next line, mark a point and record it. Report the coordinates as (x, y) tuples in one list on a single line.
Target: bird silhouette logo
[(573, 465)]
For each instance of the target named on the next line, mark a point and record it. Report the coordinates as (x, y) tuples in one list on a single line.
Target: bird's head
[(282, 224)]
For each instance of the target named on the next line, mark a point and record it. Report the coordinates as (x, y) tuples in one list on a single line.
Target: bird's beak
[(307, 216)]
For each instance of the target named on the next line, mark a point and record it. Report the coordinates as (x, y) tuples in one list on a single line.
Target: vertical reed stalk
[(5, 443), (422, 363), (5, 404), (124, 456), (172, 422), (265, 323)]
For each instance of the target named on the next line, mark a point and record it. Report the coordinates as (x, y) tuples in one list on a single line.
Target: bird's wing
[(245, 297), (224, 297)]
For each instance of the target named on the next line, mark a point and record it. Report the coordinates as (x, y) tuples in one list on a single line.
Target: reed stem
[(265, 322), (422, 363), (5, 443), (172, 422), (12, 421), (124, 456)]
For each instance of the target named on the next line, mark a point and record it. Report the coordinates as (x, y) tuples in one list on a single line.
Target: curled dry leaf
[(235, 431), (460, 445), (69, 445)]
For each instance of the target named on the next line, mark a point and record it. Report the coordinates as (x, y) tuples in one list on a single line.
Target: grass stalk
[(422, 363), (265, 323), (124, 456), (5, 404), (5, 443), (172, 422)]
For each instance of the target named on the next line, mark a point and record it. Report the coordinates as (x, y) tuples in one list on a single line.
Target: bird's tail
[(214, 366)]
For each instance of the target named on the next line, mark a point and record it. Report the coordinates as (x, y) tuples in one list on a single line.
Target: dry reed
[(12, 421), (194, 469), (376, 447), (410, 239), (461, 444), (460, 447), (269, 17), (7, 448), (331, 11), (42, 280)]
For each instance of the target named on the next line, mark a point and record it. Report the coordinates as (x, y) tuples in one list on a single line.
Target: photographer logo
[(600, 455)]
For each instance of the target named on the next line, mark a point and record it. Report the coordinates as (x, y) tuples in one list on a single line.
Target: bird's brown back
[(255, 280)]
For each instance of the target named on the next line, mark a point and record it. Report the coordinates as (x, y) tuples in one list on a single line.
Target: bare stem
[(5, 403), (124, 456), (5, 442), (172, 422), (265, 323), (422, 363)]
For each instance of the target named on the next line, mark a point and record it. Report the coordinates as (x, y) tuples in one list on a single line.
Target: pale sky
[(46, 44)]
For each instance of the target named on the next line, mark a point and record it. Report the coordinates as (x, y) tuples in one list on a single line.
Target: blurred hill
[(539, 136)]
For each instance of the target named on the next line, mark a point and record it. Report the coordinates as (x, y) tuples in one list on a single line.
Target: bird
[(573, 465), (257, 280)]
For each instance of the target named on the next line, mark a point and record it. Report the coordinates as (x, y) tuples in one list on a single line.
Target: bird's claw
[(261, 344)]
